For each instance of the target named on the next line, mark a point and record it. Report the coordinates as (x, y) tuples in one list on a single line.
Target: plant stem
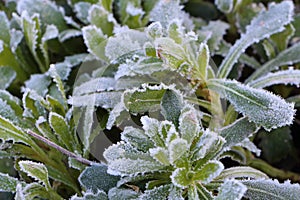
[(59, 148)]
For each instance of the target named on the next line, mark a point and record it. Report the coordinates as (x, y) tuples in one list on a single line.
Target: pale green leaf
[(7, 75), (4, 24), (38, 171), (189, 123), (151, 127), (241, 172), (161, 155), (286, 77), (260, 106), (203, 61), (271, 189), (231, 189), (225, 6), (154, 30), (177, 149), (282, 39), (96, 178), (262, 26), (94, 39)]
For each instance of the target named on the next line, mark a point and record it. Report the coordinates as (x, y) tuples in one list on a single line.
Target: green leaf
[(154, 30), (151, 127), (94, 39), (182, 177), (231, 189), (262, 26), (143, 100), (4, 24), (241, 172), (8, 75), (225, 6), (282, 39), (237, 132), (96, 178), (62, 130), (286, 57), (171, 105), (9, 131), (203, 61), (271, 189), (260, 106), (208, 172), (38, 171), (8, 183), (131, 13), (286, 77)]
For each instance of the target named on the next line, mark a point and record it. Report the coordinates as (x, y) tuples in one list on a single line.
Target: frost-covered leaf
[(260, 106), (39, 83), (231, 189), (142, 100), (217, 30), (96, 178), (177, 149), (208, 172), (290, 76), (282, 39), (171, 105), (189, 124), (154, 30), (8, 183), (7, 77), (237, 132), (151, 127), (137, 138), (4, 24), (225, 6), (82, 11), (101, 18), (160, 192), (249, 145), (131, 13), (49, 12), (241, 172), (124, 42), (103, 99), (99, 195), (9, 131), (38, 171), (120, 193), (209, 143), (68, 34), (203, 61), (262, 26), (286, 57), (271, 189), (94, 39), (126, 166)]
